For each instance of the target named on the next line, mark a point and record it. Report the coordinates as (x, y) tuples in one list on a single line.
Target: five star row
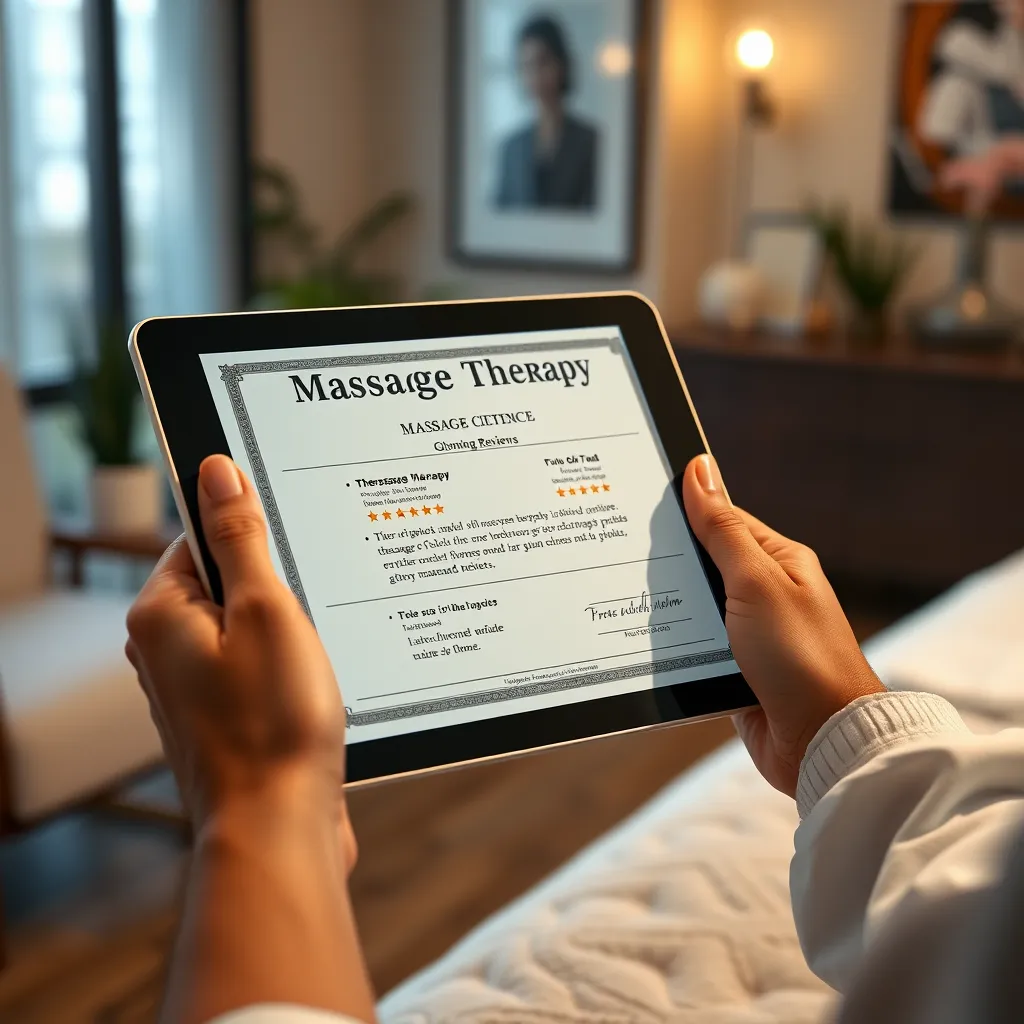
[(401, 513), (583, 489)]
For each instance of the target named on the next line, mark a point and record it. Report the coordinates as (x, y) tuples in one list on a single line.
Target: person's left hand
[(244, 696)]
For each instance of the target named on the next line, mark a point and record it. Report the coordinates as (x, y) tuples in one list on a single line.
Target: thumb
[(717, 524), (233, 524)]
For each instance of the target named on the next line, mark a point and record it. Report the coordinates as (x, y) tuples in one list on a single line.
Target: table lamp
[(754, 51), (731, 291)]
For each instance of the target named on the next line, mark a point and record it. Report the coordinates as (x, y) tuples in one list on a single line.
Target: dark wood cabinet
[(899, 466)]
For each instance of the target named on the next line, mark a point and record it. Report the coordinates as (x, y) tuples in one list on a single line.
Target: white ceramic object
[(731, 295), (127, 499)]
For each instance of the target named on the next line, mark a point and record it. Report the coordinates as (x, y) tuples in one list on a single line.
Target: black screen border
[(169, 350)]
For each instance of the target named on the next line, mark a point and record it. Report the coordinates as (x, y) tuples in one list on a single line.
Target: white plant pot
[(126, 499)]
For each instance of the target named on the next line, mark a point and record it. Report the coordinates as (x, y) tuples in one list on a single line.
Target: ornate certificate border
[(495, 696), (234, 373)]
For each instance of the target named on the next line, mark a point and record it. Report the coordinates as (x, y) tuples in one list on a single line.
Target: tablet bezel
[(166, 352)]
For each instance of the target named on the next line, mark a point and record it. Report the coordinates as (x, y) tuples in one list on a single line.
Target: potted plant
[(315, 275), (870, 266), (126, 490)]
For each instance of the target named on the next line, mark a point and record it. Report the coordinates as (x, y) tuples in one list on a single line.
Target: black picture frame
[(168, 351), (456, 245)]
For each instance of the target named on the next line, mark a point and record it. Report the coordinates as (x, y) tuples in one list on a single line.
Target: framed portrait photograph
[(958, 106), (545, 132)]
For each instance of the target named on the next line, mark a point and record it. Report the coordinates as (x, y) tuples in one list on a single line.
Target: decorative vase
[(731, 295), (127, 499)]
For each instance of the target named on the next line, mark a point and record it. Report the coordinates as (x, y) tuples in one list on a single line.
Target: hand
[(981, 177), (788, 632), (244, 696)]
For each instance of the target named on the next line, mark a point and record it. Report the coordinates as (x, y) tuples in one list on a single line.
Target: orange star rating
[(439, 509), (387, 515), (582, 489), (426, 510), (414, 511), (373, 517), (400, 513)]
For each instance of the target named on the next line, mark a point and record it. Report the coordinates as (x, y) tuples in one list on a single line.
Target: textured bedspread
[(682, 913)]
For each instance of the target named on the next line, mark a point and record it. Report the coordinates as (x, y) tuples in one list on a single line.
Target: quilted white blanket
[(682, 913)]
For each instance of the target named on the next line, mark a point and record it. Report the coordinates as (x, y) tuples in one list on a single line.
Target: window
[(176, 122), (155, 89), (48, 181)]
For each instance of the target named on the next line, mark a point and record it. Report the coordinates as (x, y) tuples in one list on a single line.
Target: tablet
[(476, 503)]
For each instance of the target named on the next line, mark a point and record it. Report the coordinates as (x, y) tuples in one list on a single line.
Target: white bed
[(682, 913)]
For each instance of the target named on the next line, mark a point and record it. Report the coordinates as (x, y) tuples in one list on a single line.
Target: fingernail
[(706, 475), (220, 478)]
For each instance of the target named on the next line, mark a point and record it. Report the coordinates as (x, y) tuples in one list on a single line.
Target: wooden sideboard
[(900, 466)]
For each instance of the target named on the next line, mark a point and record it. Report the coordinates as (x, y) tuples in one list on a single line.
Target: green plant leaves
[(331, 276), (869, 264), (106, 394)]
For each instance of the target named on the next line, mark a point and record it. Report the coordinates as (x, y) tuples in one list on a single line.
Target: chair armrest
[(79, 541)]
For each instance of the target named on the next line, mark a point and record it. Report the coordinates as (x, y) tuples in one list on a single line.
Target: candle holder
[(968, 315)]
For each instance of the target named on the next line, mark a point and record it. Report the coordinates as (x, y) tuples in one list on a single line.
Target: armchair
[(73, 724)]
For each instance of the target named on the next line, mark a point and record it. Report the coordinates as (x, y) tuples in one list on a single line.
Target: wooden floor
[(90, 899)]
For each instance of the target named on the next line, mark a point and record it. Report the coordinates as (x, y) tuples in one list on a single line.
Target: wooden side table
[(900, 466), (79, 540)]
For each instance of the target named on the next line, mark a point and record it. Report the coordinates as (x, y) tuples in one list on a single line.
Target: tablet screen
[(477, 526)]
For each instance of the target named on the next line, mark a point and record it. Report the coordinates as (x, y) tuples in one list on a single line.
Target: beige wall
[(351, 95), (309, 101)]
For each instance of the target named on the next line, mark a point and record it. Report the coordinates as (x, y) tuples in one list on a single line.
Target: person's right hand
[(788, 632)]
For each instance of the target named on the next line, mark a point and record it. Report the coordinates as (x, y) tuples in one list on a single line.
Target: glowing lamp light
[(973, 303), (615, 59), (755, 49)]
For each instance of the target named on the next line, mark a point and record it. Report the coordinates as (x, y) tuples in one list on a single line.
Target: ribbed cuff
[(865, 728), (274, 1013)]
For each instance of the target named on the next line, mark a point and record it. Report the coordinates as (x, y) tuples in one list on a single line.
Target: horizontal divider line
[(649, 625), (546, 668), (460, 451)]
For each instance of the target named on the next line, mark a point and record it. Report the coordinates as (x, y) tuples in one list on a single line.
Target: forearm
[(907, 822), (267, 918)]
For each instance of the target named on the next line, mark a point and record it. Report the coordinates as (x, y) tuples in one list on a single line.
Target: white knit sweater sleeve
[(280, 1014), (908, 875)]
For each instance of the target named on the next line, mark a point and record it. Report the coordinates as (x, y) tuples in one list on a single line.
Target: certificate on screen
[(476, 526)]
